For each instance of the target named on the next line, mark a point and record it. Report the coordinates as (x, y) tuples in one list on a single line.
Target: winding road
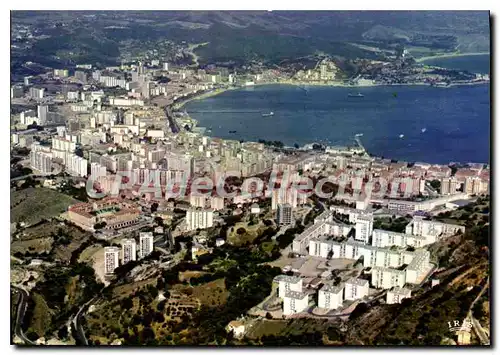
[(21, 310), (483, 337)]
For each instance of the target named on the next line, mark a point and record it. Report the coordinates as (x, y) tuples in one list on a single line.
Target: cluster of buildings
[(393, 261), (121, 140), (108, 213), (329, 297), (120, 132), (325, 70), (128, 252)]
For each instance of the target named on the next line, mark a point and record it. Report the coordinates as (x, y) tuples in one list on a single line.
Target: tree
[(358, 311), (100, 225), (127, 303), (435, 184)]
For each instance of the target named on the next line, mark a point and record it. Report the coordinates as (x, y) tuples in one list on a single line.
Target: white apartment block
[(356, 289), (37, 93), (431, 230), (129, 250), (42, 113), (217, 203), (61, 73), (410, 207), (284, 196), (418, 265), (75, 165), (28, 117), (319, 228), (16, 91), (97, 170), (449, 186), (382, 238), (397, 294), (284, 216), (72, 95), (41, 161), (353, 213), (145, 244), (387, 278), (111, 81), (116, 101), (295, 302), (324, 248), (198, 201), (475, 185), (199, 219), (331, 297), (63, 144), (351, 249), (288, 283), (111, 259), (364, 228)]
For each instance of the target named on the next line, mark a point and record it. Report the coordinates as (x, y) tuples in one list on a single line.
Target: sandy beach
[(449, 55)]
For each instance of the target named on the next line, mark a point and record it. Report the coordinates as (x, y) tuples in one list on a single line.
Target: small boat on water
[(401, 136), (268, 114), (356, 95), (232, 131)]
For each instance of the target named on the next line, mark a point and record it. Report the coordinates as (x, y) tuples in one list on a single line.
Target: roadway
[(21, 311), (171, 120), (483, 337), (76, 322)]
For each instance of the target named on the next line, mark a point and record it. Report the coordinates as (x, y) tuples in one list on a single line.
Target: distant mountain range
[(239, 36)]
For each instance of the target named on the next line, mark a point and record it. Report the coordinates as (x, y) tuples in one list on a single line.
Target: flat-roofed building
[(418, 265), (288, 283), (217, 203), (331, 297), (397, 294), (449, 186), (382, 238), (129, 250), (112, 212), (199, 219), (387, 278), (356, 289), (111, 259), (284, 214), (295, 302), (431, 230), (364, 228), (145, 244)]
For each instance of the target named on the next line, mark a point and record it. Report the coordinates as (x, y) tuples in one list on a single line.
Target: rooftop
[(295, 295), (401, 291), (287, 278), (333, 289), (357, 282)]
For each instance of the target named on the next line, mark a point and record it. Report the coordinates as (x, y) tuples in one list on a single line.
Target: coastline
[(450, 55), (214, 92), (218, 91)]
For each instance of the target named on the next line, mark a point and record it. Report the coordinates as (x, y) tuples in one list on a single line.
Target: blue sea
[(473, 63), (440, 125)]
